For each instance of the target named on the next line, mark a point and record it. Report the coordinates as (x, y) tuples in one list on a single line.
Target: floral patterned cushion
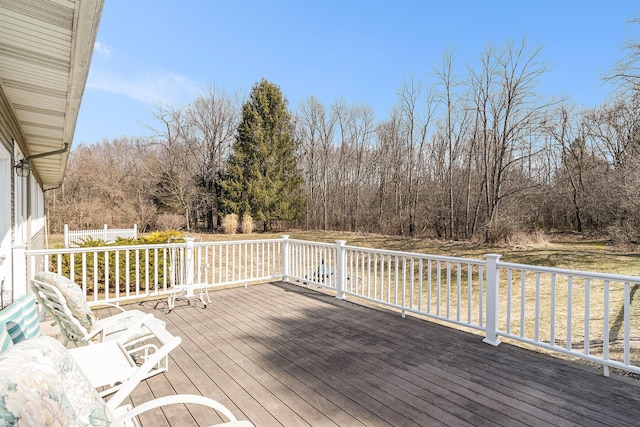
[(73, 294), (41, 384)]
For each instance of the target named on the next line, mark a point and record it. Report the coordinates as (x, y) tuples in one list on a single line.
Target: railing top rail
[(419, 255), (101, 249), (236, 242), (569, 272), (101, 230), (308, 242)]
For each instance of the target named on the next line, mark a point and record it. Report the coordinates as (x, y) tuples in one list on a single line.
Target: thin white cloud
[(103, 49), (151, 87)]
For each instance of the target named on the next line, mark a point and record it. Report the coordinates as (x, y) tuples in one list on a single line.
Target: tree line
[(474, 155)]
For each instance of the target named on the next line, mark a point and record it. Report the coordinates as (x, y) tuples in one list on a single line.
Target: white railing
[(106, 234), (593, 316), (588, 315), (115, 274)]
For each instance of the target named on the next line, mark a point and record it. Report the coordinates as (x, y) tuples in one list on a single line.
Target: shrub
[(170, 221), (523, 238), (90, 242), (168, 236), (129, 261), (230, 224), (247, 224), (623, 234)]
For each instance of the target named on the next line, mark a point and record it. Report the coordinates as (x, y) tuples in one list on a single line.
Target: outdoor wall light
[(23, 168)]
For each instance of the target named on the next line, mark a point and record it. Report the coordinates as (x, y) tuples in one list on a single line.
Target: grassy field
[(562, 251)]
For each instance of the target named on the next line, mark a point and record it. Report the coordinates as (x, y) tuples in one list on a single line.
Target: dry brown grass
[(246, 224), (230, 224)]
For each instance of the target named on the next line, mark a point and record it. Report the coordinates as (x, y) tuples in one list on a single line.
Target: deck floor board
[(280, 354)]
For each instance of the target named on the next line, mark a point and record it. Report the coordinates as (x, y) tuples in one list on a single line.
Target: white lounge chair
[(109, 364), (41, 384), (65, 302)]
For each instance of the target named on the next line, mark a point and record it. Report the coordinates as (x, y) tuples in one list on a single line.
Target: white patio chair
[(111, 363), (65, 302), (126, 413), (41, 384)]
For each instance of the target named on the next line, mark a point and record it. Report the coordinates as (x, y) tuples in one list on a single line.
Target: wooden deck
[(283, 355)]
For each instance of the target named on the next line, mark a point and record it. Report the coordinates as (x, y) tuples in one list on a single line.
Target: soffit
[(45, 52)]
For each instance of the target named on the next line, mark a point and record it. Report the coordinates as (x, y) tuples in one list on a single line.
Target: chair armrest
[(99, 331), (125, 413), (108, 304), (168, 343)]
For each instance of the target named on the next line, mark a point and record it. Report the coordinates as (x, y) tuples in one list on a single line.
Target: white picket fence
[(108, 235), (588, 315)]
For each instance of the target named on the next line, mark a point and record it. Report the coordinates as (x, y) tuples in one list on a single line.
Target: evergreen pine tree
[(262, 177)]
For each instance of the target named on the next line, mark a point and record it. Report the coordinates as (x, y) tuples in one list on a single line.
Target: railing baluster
[(412, 282), (404, 284), (587, 315), (569, 312), (469, 294), (552, 329), (627, 323), (458, 289), (605, 331), (537, 318), (146, 272), (429, 273), (420, 282), (509, 285), (523, 299), (439, 283), (117, 273), (84, 273), (95, 276), (448, 289)]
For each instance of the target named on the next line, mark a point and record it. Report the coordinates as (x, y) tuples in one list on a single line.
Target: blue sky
[(160, 51)]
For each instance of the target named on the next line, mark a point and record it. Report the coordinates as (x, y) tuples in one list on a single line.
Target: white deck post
[(285, 257), (20, 278), (66, 235), (189, 267), (135, 231), (341, 274), (492, 300), (106, 233)]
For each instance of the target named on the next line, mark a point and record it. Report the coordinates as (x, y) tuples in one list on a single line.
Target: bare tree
[(175, 176), (212, 120), (414, 122), (315, 131), (627, 71), (509, 113), (106, 182), (355, 130)]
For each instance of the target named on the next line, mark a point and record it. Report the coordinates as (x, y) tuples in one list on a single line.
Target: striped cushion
[(21, 319), (5, 340), (15, 331)]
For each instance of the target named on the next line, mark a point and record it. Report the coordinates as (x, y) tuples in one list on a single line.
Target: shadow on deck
[(280, 354)]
